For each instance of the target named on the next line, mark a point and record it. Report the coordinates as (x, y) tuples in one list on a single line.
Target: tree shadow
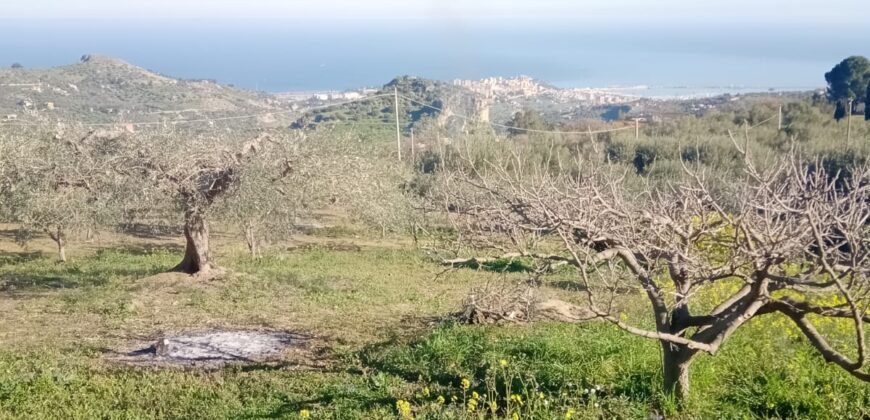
[(573, 286), (149, 231), (359, 399), (499, 265), (90, 272), (8, 258), (15, 283), (139, 249), (9, 234), (369, 357)]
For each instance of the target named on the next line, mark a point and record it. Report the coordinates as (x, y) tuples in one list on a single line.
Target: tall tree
[(840, 111), (848, 80), (867, 104)]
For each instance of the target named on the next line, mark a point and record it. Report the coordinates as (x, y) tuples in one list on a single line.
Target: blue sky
[(291, 44)]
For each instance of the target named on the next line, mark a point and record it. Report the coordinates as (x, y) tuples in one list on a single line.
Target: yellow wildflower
[(503, 363), (517, 399), (426, 391), (440, 399), (304, 414), (471, 405), (569, 414), (515, 416), (404, 409), (475, 395), (465, 383)]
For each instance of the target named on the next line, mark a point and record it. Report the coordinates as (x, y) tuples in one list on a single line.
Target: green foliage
[(848, 79), (840, 111), (526, 120), (596, 371), (867, 104)]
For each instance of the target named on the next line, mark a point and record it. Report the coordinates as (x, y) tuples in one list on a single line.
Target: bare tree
[(788, 238)]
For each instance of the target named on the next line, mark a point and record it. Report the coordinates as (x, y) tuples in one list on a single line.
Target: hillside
[(420, 100), (101, 89), (496, 100)]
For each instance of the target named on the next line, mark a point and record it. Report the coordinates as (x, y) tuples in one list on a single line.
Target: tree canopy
[(840, 111), (849, 79), (523, 121), (867, 103)]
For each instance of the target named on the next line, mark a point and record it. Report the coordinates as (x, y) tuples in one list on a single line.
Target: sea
[(667, 60)]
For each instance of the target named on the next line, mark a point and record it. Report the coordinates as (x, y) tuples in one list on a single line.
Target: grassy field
[(379, 351)]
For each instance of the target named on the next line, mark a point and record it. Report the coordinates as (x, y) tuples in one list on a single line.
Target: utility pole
[(849, 123), (413, 155), (779, 119), (398, 133), (440, 151)]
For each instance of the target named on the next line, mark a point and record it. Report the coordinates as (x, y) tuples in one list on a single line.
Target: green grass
[(372, 313)]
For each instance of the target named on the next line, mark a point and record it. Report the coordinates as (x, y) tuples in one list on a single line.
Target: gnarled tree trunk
[(251, 240), (197, 254), (58, 237), (676, 360)]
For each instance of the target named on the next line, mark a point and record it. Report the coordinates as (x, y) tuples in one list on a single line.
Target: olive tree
[(184, 174), (53, 184), (786, 239), (295, 178)]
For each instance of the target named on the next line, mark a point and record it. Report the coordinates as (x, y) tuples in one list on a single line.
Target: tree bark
[(197, 254), (58, 237), (675, 369), (251, 239)]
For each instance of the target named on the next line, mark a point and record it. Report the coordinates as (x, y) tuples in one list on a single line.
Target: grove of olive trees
[(710, 233), (70, 180)]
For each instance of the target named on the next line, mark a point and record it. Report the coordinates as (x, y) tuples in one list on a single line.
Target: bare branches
[(787, 226)]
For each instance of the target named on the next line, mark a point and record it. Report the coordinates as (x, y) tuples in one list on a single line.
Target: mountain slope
[(101, 89)]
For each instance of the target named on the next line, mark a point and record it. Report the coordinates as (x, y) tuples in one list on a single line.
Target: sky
[(342, 44), (843, 12)]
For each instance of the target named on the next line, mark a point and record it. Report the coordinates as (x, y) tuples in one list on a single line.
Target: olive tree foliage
[(53, 186), (787, 239), (178, 178), (301, 173), (384, 195), (260, 211)]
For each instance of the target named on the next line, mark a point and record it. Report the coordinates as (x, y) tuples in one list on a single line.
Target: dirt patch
[(219, 348)]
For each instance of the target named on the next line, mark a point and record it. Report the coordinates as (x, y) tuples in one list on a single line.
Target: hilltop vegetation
[(101, 89)]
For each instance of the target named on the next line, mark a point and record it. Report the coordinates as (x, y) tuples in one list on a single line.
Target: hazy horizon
[(284, 46)]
